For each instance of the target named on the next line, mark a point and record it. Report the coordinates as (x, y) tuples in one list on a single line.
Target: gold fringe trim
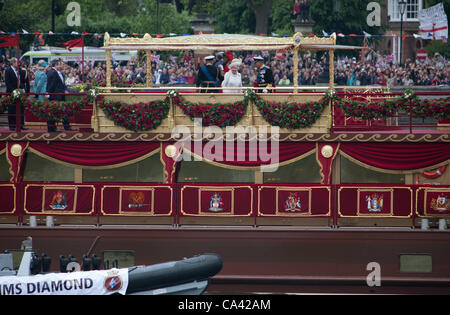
[(95, 167), (382, 170)]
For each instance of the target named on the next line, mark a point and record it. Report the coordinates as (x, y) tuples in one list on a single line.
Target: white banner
[(98, 282), (433, 23)]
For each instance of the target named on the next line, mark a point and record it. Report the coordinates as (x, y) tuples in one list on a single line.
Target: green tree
[(430, 3), (348, 18)]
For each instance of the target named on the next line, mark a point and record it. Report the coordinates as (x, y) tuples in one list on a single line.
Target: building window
[(411, 12)]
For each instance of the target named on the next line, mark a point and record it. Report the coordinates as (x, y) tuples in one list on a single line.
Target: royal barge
[(299, 190)]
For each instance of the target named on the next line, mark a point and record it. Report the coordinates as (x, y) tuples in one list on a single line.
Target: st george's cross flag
[(433, 23)]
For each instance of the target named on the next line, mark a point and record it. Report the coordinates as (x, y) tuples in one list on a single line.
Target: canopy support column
[(331, 53), (296, 70), (149, 68), (108, 68)]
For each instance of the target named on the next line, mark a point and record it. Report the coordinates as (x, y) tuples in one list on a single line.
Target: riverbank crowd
[(313, 69)]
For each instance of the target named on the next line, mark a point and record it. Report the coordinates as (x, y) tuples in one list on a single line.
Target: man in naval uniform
[(264, 77), (207, 76)]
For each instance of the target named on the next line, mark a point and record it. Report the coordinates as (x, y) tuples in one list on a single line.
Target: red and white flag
[(433, 23)]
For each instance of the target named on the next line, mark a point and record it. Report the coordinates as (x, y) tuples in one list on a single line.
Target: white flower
[(172, 93), (17, 93), (409, 93), (249, 93), (93, 93)]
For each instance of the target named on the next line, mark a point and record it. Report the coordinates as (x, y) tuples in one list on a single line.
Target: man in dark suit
[(55, 84), (12, 73), (207, 76)]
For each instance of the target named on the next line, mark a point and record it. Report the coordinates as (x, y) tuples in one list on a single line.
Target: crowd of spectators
[(381, 70), (374, 69)]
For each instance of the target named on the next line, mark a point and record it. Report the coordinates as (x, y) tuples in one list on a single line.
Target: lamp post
[(402, 8)]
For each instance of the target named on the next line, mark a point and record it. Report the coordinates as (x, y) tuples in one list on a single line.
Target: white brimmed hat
[(209, 57), (258, 58), (235, 63)]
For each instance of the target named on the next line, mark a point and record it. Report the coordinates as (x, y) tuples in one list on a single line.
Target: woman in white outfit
[(233, 78)]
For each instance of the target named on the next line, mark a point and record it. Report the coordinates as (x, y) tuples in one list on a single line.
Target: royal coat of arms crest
[(374, 203), (216, 203), (58, 201), (441, 203), (293, 203), (136, 200)]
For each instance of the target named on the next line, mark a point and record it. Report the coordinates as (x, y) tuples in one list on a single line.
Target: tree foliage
[(126, 16)]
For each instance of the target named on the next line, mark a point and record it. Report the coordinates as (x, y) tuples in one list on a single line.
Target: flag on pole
[(9, 41), (79, 42)]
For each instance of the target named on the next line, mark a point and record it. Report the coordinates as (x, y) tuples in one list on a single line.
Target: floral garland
[(366, 110), (438, 109), (136, 117), (47, 110), (16, 96), (289, 115), (212, 114), (57, 110)]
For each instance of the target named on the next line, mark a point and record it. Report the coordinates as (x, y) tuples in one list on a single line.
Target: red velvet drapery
[(92, 154), (398, 156), (383, 156)]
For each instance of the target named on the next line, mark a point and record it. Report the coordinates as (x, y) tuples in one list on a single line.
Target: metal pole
[(53, 16), (18, 104), (82, 58), (157, 16), (401, 38)]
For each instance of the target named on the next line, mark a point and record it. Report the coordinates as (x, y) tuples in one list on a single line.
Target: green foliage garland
[(289, 115), (438, 108), (136, 117), (221, 115), (57, 110)]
